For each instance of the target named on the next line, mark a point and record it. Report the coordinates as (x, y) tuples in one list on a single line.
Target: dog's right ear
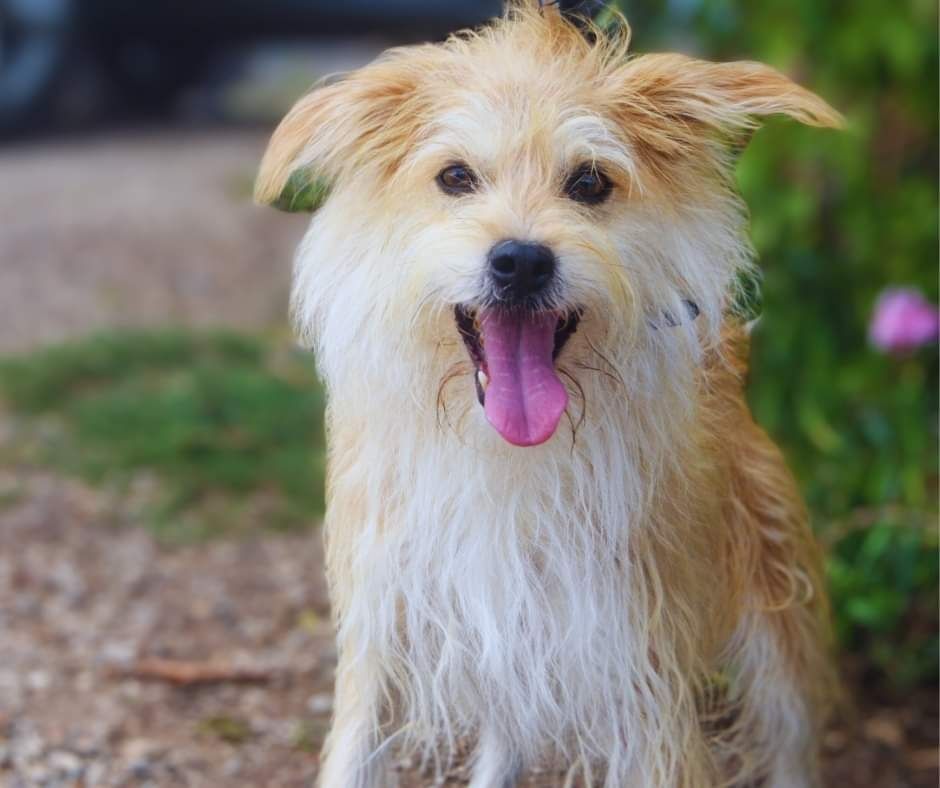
[(367, 117)]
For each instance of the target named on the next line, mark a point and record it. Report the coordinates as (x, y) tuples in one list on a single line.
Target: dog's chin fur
[(638, 598)]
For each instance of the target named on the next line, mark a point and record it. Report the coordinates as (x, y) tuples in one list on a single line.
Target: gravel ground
[(124, 663), (84, 598), (143, 228)]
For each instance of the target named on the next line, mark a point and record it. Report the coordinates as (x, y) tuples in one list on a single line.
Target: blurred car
[(150, 50)]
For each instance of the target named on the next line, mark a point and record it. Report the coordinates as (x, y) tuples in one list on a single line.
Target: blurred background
[(163, 619)]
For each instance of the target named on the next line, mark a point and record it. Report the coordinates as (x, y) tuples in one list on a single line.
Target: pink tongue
[(525, 398)]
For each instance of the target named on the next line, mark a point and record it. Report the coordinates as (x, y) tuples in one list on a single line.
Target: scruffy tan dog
[(554, 532)]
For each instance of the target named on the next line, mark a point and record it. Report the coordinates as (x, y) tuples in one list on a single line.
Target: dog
[(555, 537)]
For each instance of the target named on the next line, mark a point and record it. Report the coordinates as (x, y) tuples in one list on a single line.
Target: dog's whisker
[(575, 426), (599, 371), (455, 372), (613, 369)]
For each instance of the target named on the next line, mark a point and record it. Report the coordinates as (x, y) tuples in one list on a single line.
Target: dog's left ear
[(363, 119), (728, 98)]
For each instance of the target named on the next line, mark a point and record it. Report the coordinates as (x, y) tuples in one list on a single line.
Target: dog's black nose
[(520, 269)]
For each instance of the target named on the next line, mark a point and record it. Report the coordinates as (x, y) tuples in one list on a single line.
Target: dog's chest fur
[(499, 592)]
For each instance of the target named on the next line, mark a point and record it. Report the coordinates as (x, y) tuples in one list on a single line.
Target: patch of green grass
[(231, 730), (10, 498), (308, 735), (226, 426)]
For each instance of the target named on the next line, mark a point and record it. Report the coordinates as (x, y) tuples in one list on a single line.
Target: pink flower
[(903, 320)]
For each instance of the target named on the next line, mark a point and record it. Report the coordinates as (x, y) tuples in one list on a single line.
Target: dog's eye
[(588, 185), (457, 179)]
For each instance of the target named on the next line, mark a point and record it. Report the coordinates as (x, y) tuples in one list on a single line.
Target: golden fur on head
[(600, 600), (663, 103)]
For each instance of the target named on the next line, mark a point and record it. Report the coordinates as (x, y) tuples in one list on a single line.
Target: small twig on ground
[(187, 673)]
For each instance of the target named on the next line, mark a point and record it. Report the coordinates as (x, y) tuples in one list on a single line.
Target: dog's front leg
[(352, 756), (496, 764)]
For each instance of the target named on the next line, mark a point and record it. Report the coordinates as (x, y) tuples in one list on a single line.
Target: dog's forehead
[(513, 116)]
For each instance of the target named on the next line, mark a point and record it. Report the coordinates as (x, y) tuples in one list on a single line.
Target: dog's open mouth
[(513, 354)]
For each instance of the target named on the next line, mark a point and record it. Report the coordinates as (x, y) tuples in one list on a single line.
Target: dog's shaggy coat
[(638, 599)]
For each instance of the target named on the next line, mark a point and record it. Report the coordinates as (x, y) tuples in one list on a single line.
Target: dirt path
[(86, 597), (138, 229)]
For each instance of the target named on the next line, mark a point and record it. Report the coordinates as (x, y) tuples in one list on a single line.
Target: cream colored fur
[(639, 596)]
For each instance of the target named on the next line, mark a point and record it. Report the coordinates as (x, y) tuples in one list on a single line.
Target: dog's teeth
[(483, 379)]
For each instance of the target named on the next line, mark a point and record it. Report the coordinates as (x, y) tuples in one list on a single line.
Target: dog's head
[(522, 208)]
